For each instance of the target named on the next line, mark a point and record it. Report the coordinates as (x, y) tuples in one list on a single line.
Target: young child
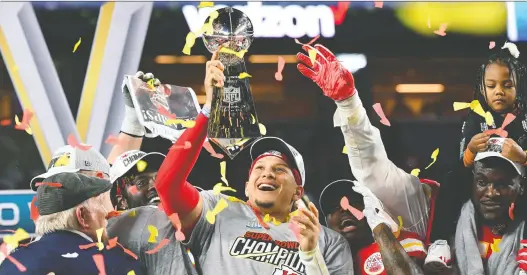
[(501, 88)]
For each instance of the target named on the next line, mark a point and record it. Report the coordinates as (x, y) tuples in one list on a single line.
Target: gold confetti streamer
[(99, 232), (220, 206), (312, 56), (244, 75), (239, 54), (13, 240), (415, 172), (345, 150), (263, 130), (218, 188), (27, 129), (223, 170), (153, 234), (206, 4), (396, 234), (189, 43), (253, 119), (184, 123), (434, 157), (131, 272), (141, 166), (77, 45)]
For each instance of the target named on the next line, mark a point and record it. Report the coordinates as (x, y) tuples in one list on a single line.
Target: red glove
[(522, 256), (336, 82)]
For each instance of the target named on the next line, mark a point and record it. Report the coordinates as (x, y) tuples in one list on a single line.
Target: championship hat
[(72, 159), (279, 148), (494, 149), (126, 163)]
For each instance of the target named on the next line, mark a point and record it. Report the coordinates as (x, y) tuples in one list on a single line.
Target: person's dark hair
[(518, 73)]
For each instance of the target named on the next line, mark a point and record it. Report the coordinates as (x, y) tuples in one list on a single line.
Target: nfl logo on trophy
[(233, 123)]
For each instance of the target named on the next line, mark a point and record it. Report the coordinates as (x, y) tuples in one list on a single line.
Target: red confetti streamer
[(345, 204), (87, 246), (21, 267), (26, 118), (501, 131), (442, 29), (112, 140), (112, 243), (33, 211), (174, 218), (165, 112), (492, 44), (209, 149), (378, 109), (156, 249), (378, 4), (132, 189), (281, 63), (310, 42), (5, 122), (187, 145), (339, 12), (511, 211), (72, 141), (99, 262), (50, 184), (128, 251), (112, 214)]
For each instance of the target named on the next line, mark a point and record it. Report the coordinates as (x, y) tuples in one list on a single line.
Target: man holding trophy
[(262, 235)]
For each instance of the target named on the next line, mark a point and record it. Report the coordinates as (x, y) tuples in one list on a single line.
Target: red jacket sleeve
[(176, 194)]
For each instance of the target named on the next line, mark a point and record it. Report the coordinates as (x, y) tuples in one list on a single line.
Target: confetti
[(475, 106), (239, 54), (150, 84), (207, 28), (153, 234), (211, 215), (70, 255), (3, 250), (185, 146), (24, 125), (113, 214), (218, 188), (99, 232), (495, 245), (508, 119), (50, 184), (415, 172), (131, 272), (176, 222), (72, 141), (128, 251), (310, 42), (442, 29), (244, 75), (434, 157), (111, 243), (206, 4), (492, 44), (253, 119), (99, 262), (345, 204), (141, 166), (77, 45), (378, 4), (223, 170), (166, 112), (184, 123), (396, 234), (132, 213), (33, 212), (281, 63), (312, 56), (345, 150), (190, 41), (513, 49), (156, 249), (296, 230), (263, 130), (211, 151), (378, 109), (489, 119), (13, 240), (112, 140), (87, 246), (511, 211)]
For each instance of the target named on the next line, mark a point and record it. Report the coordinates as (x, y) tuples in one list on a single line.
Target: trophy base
[(233, 146)]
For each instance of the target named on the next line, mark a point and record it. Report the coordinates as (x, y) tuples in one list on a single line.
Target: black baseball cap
[(70, 190), (332, 194)]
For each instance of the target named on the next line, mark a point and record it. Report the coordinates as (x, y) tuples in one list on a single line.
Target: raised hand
[(214, 76), (309, 227), (335, 81)]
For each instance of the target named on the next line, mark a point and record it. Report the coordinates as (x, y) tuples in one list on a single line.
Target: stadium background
[(384, 47)]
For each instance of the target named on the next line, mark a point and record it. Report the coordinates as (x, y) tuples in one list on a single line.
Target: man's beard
[(265, 205)]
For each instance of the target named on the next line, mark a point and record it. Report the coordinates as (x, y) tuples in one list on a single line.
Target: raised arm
[(176, 194), (401, 193)]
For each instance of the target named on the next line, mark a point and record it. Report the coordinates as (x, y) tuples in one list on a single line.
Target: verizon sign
[(274, 21)]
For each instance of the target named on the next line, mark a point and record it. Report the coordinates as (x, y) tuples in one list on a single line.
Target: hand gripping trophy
[(233, 121)]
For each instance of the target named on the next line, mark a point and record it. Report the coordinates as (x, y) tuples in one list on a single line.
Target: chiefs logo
[(373, 265)]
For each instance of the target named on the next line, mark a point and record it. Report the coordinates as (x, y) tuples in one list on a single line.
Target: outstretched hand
[(326, 71)]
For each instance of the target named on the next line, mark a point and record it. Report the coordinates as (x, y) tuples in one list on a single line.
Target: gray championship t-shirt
[(237, 244), (132, 232)]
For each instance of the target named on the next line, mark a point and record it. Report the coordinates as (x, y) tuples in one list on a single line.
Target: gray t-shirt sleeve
[(199, 240), (337, 253)]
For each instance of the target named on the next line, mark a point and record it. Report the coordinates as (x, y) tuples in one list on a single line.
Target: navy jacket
[(59, 252)]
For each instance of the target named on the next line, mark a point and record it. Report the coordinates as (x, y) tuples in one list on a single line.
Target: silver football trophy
[(233, 123), (165, 110)]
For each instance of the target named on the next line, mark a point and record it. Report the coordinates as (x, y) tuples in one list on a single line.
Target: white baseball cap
[(68, 159), (494, 149), (267, 144), (127, 161)]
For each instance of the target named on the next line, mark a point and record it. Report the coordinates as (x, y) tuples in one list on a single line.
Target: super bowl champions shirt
[(237, 244)]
